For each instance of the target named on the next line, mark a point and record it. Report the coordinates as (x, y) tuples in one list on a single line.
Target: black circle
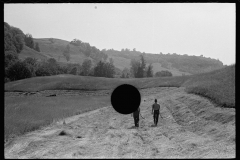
[(126, 99)]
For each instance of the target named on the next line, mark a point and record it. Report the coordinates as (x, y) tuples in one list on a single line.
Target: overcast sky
[(206, 29)]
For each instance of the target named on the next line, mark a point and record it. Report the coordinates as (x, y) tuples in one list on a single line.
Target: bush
[(86, 67), (73, 71), (52, 61), (163, 74), (32, 65), (31, 61), (10, 58), (6, 80), (62, 70), (44, 69), (48, 68), (104, 70), (18, 70)]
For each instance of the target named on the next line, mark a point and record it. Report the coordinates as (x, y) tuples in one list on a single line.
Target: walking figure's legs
[(154, 117), (136, 121), (157, 115)]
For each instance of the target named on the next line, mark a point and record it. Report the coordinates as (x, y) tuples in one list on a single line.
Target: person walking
[(155, 112), (135, 115)]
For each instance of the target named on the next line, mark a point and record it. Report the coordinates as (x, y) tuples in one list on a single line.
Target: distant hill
[(178, 65)]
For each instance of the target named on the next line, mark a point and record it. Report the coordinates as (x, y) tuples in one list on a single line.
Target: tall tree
[(29, 41), (37, 47), (99, 69), (150, 71), (111, 61), (141, 68), (86, 67), (134, 68), (104, 70), (18, 42), (109, 69)]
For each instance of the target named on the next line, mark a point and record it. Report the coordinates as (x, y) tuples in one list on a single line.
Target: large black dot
[(125, 99)]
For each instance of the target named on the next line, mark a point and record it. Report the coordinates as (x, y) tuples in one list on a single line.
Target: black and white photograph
[(119, 80)]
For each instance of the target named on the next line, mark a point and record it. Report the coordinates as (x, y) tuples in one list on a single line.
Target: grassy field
[(72, 82), (28, 113), (23, 114), (28, 52), (219, 86)]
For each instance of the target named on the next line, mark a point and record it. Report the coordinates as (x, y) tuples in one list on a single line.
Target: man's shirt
[(156, 106)]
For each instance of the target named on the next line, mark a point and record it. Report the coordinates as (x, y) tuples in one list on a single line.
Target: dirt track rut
[(190, 127)]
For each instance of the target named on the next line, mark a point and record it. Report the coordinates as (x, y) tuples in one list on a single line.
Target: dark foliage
[(138, 68), (73, 71), (18, 70), (10, 58), (32, 65), (13, 38), (29, 41), (89, 51), (163, 74), (104, 69), (37, 47), (149, 71), (86, 67)]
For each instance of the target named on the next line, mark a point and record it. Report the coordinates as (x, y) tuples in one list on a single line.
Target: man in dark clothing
[(155, 111), (136, 117)]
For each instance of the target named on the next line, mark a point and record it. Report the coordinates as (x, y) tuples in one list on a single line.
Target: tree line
[(139, 69), (30, 67)]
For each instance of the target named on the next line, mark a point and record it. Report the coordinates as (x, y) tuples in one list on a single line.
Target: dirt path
[(191, 127)]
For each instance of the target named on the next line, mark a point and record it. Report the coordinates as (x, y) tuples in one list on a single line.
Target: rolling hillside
[(217, 85), (177, 64), (28, 52), (54, 48)]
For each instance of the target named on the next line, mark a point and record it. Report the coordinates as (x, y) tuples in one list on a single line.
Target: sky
[(207, 29)]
